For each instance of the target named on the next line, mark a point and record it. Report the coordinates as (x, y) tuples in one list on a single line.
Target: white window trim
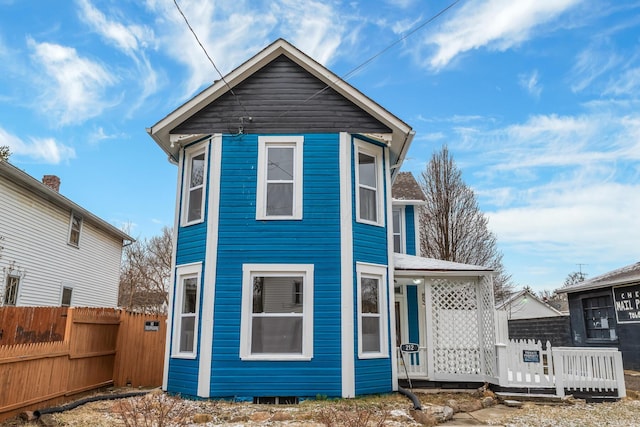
[(62, 288), (375, 152), (189, 153), (379, 272), (251, 270), (297, 142), (80, 221), (182, 272), (402, 231)]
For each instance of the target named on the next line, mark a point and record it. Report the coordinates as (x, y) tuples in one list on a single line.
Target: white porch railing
[(529, 364), (412, 365)]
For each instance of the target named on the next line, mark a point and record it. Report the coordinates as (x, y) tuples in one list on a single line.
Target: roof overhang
[(411, 265), (401, 133)]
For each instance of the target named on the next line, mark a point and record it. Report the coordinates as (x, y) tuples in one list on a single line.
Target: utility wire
[(368, 61), (209, 57)]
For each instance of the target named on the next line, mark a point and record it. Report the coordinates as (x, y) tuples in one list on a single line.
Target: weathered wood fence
[(101, 347), (23, 325)]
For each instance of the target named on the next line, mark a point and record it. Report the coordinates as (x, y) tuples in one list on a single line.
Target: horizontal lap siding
[(370, 246), (313, 240), (410, 225)]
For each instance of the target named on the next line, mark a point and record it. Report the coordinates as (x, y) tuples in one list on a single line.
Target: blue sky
[(538, 101)]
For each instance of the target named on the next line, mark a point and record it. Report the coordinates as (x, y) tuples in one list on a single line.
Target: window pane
[(66, 297), (396, 221), (397, 244), (189, 296), (280, 163), (187, 333), (195, 204), (371, 334), (277, 294), (280, 199), (369, 288), (276, 335), (368, 205), (197, 170), (11, 291), (367, 170)]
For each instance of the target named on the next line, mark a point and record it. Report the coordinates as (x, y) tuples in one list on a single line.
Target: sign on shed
[(627, 303)]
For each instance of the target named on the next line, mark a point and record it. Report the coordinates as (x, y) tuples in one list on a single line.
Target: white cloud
[(495, 24), (44, 150), (530, 83), (592, 63), (73, 89)]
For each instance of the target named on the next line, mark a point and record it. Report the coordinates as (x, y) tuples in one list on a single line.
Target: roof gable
[(399, 136), (405, 187)]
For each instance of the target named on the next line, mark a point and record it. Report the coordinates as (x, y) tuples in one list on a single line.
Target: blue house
[(286, 284)]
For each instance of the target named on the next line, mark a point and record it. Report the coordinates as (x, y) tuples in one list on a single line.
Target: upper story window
[(75, 227), (279, 192), (193, 194), (185, 326), (372, 313), (277, 312), (398, 230), (11, 287), (369, 183)]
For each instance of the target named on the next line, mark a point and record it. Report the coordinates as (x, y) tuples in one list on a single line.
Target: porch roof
[(416, 264)]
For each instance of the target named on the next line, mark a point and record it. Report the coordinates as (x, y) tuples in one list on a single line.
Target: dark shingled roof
[(620, 276), (406, 187)]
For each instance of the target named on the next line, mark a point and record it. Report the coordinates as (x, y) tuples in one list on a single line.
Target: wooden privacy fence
[(22, 325), (101, 347)]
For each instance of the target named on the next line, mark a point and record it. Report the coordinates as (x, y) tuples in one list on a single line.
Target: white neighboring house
[(526, 305), (52, 251)]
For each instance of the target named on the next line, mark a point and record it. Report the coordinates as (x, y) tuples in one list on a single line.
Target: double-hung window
[(75, 226), (372, 312), (279, 192), (12, 284), (398, 230), (277, 312), (185, 327), (369, 183), (195, 176)]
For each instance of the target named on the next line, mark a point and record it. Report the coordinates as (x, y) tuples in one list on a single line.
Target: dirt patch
[(632, 380)]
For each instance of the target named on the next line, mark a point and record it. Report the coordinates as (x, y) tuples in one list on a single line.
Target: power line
[(381, 52), (210, 59)]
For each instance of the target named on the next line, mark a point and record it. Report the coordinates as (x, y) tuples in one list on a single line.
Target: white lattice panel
[(488, 329)]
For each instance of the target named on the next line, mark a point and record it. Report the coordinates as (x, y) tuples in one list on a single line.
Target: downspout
[(416, 402)]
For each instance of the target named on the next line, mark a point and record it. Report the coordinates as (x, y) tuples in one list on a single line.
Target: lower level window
[(372, 313), (277, 312), (67, 292), (12, 284), (599, 318), (185, 327)]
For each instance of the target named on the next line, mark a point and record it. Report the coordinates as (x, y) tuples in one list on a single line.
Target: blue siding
[(410, 229), (370, 245), (412, 314), (313, 240)]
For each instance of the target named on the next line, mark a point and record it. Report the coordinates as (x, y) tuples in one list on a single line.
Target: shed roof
[(41, 190), (620, 276), (398, 139), (412, 263)]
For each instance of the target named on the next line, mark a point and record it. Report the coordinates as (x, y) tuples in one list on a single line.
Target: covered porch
[(446, 310)]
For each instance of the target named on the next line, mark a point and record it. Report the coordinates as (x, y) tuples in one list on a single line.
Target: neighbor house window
[(599, 318), (398, 230), (66, 296), (372, 312), (194, 185), (185, 328), (279, 192), (12, 284), (277, 312), (74, 229), (369, 188)]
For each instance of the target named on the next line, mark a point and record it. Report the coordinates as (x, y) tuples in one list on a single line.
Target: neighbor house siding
[(315, 239), (35, 239), (370, 246)]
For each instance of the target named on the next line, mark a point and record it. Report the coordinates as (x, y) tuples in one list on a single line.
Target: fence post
[(558, 370), (619, 373), (503, 364)]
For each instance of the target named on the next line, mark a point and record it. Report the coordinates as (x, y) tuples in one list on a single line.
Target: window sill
[(277, 358), (73, 245), (373, 356), (187, 224), (183, 356), (364, 221)]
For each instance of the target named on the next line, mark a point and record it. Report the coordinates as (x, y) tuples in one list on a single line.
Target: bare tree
[(145, 274), (452, 226), (574, 278), (4, 153)]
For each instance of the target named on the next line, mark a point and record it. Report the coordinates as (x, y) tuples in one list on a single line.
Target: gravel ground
[(160, 410)]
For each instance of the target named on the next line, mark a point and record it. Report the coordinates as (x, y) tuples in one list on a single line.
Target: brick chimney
[(51, 181)]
